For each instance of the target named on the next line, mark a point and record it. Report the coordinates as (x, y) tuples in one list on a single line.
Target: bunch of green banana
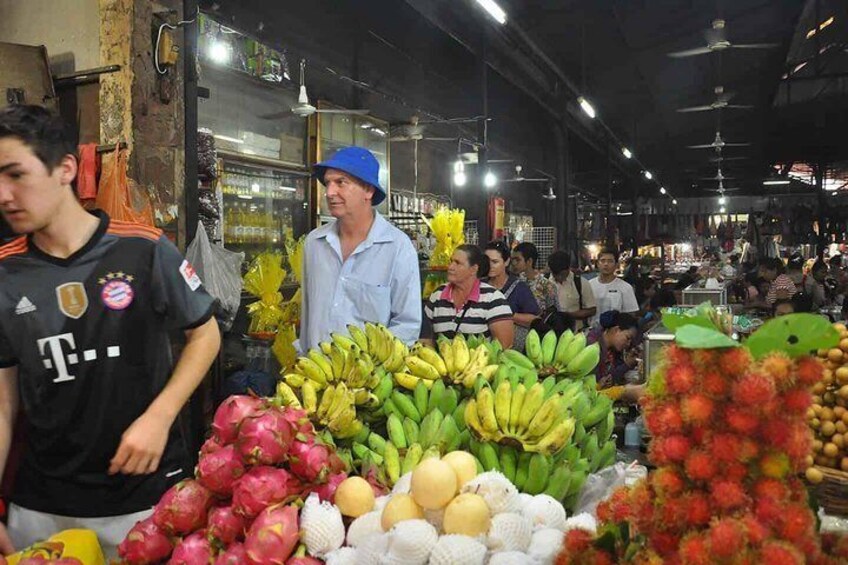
[(534, 418), (567, 355), (429, 417), (333, 408), (391, 461), (494, 346)]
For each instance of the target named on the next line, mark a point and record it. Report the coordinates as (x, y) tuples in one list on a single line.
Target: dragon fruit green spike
[(321, 527), (509, 558), (509, 532), (544, 511), (545, 545), (363, 527), (411, 541), (582, 521), (341, 556), (456, 549), (498, 492)]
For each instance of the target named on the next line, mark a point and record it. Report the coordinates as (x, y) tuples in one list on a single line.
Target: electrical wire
[(159, 39)]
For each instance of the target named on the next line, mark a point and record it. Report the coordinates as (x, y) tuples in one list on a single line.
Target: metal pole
[(190, 32), (483, 138)]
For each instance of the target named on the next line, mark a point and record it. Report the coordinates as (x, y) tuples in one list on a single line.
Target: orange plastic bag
[(118, 195)]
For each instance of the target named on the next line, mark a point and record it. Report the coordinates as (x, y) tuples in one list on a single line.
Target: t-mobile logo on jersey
[(55, 358)]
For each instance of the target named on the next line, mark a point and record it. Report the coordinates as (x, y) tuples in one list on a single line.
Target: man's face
[(607, 264), (518, 265), (30, 194), (346, 195)]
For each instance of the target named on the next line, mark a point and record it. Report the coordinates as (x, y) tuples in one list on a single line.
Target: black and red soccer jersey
[(90, 337)]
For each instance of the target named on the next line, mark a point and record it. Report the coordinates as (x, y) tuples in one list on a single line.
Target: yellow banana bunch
[(337, 410)]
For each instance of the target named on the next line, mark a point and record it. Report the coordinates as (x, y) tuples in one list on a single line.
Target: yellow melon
[(463, 464), (468, 515), (433, 484), (401, 507), (354, 497)]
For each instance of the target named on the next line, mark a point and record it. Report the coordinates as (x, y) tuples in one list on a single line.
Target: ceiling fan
[(720, 159), (721, 189), (303, 108), (718, 144), (550, 195), (721, 102), (717, 41), (519, 178), (414, 130), (719, 176)]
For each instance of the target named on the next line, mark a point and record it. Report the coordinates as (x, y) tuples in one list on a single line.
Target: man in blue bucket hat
[(358, 268)]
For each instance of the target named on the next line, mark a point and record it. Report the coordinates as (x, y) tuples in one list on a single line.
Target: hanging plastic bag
[(119, 196), (220, 271)]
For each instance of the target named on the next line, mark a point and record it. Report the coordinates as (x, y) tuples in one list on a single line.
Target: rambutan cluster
[(728, 436)]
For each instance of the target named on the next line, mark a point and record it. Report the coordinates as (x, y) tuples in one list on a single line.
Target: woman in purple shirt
[(525, 308)]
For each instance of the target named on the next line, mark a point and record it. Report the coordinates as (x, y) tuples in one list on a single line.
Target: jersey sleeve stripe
[(132, 230), (16, 247), (133, 226)]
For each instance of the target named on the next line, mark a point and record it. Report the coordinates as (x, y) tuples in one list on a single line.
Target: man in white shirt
[(574, 293), (611, 293)]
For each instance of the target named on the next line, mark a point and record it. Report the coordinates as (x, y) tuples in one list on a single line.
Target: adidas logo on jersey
[(25, 306)]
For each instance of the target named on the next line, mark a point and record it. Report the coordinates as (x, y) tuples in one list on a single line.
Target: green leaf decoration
[(693, 336), (794, 334), (676, 317)]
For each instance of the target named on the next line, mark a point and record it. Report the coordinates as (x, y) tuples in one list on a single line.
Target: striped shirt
[(781, 287), (484, 306)]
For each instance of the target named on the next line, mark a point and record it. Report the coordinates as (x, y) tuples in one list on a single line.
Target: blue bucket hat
[(358, 162)]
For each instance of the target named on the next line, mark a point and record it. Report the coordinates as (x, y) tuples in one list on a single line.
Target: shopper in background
[(525, 309), (646, 288), (359, 268), (688, 278), (87, 310), (466, 305), (525, 258), (653, 315), (795, 270), (773, 271), (615, 334), (610, 292), (782, 307), (813, 285), (574, 293)]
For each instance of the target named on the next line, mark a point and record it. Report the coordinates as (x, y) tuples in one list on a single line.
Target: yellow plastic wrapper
[(448, 227), (283, 347), (79, 544), (263, 280)]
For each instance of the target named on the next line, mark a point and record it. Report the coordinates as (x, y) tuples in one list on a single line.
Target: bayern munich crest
[(117, 293)]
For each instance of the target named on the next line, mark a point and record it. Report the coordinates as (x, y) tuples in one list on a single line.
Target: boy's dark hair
[(559, 261), (616, 319), (608, 251), (529, 252), (663, 299), (46, 133)]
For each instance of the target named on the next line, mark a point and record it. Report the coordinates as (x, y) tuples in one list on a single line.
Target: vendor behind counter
[(614, 334)]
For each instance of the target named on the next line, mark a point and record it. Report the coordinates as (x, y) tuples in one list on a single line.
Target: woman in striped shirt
[(465, 305)]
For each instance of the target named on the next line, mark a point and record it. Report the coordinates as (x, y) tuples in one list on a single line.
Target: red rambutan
[(664, 543), (667, 481), (696, 409), (798, 444), (734, 471), (676, 355), (669, 449), (734, 361), (726, 537), (779, 367), (809, 370), (796, 400), (705, 359), (714, 384), (616, 508), (749, 450), (835, 544), (796, 522), (754, 529), (577, 540), (771, 488), (664, 419), (700, 466), (775, 465), (776, 431), (680, 379), (693, 550), (670, 514), (767, 510), (741, 419), (754, 390), (780, 553), (725, 447), (641, 505), (728, 495), (698, 511)]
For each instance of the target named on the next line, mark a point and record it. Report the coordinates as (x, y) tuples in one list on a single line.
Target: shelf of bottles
[(262, 207)]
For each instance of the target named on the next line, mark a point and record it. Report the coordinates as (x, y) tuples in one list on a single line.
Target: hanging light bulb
[(722, 200), (587, 108), (490, 180), (459, 178), (722, 210), (674, 201), (662, 190), (648, 175)]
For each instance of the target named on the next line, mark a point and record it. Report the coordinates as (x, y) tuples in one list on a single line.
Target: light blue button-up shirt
[(379, 282)]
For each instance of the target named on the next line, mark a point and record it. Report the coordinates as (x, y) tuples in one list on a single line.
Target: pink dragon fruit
[(145, 543), (211, 445), (272, 536), (218, 471), (230, 415), (234, 555), (300, 423), (327, 491), (225, 525), (305, 560), (310, 460), (265, 437), (262, 487), (183, 508), (194, 549)]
